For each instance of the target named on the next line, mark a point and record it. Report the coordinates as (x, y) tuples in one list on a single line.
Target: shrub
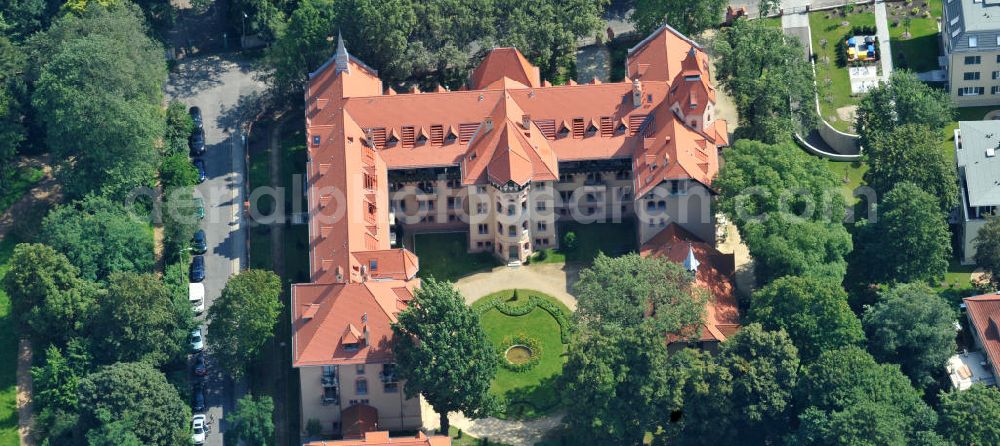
[(569, 241), (527, 341), (314, 427), (542, 255)]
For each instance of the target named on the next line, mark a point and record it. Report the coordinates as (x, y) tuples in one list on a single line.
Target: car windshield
[(198, 430), (196, 337)]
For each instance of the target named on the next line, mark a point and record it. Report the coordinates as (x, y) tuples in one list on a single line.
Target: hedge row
[(515, 310)]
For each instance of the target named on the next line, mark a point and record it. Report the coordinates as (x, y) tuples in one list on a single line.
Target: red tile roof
[(716, 273), (984, 311), (501, 63), (382, 438)]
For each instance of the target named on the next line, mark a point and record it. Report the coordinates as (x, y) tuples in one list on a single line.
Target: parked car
[(196, 142), (195, 113), (198, 429), (198, 243), (199, 367), (199, 208), (200, 165), (198, 402), (197, 342), (196, 296), (197, 272)]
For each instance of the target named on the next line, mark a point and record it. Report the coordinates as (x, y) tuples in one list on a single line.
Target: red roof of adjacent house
[(984, 311), (660, 56), (715, 272), (358, 420), (382, 438)]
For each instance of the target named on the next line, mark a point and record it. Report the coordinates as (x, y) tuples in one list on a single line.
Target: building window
[(480, 208), (512, 231), (973, 41), (479, 244), (678, 187), (373, 265), (996, 75), (351, 347), (361, 386), (970, 76), (973, 60), (451, 202), (623, 175), (566, 178), (540, 205), (391, 388), (499, 228), (360, 370), (316, 140), (995, 89), (484, 229), (542, 226), (971, 91)]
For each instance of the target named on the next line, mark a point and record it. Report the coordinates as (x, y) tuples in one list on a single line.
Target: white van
[(196, 295)]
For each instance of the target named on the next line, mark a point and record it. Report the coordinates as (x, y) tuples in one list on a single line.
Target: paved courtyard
[(551, 278)]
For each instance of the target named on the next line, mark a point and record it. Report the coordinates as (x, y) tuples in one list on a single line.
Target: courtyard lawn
[(445, 256), (8, 356), (534, 392), (771, 22), (851, 174), (919, 52), (23, 179), (613, 239), (831, 77)]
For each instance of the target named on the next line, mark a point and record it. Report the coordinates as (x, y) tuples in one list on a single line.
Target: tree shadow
[(533, 401)]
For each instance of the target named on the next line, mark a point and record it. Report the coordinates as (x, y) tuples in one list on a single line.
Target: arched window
[(361, 386)]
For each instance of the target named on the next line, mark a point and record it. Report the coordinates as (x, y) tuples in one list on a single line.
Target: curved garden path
[(510, 432), (554, 279)]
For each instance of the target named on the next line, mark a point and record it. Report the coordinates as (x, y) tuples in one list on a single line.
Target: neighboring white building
[(977, 144), (970, 35)]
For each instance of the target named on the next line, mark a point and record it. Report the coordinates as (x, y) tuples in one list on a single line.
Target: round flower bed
[(520, 352)]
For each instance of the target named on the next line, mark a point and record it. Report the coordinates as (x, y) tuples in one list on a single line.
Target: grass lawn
[(851, 174), (771, 22), (8, 356), (613, 239), (958, 276), (23, 179), (445, 256), (831, 79), (533, 392), (920, 51)]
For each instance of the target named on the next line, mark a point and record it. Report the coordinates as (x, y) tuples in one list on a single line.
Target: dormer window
[(316, 140), (352, 347), (421, 139), (563, 132), (621, 128), (373, 265)]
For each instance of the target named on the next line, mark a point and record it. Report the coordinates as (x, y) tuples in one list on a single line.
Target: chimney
[(488, 123), (636, 93), (526, 122)]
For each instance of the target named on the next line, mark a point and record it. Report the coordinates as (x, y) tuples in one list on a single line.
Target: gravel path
[(551, 278)]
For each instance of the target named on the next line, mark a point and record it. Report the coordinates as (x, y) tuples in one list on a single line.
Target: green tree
[(969, 417), (99, 237), (179, 222), (178, 171), (443, 353), (140, 320), (617, 293), (47, 296), (987, 245), (242, 319), (903, 100), (910, 241), (138, 394), (99, 97), (845, 378), (768, 7), (764, 71), (302, 46), (22, 18), (113, 433), (54, 384), (253, 421), (621, 384), (178, 128), (12, 90), (912, 153), (688, 17), (911, 325), (788, 209), (748, 394), (866, 423), (814, 312)]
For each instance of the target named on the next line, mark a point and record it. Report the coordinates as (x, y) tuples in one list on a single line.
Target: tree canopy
[(443, 353), (98, 95), (845, 378), (688, 17), (616, 293), (138, 394), (814, 313), (764, 71), (253, 421), (903, 100), (47, 295), (911, 325), (987, 245), (242, 319), (910, 242), (911, 153), (788, 209), (747, 396), (969, 417), (140, 320), (99, 236)]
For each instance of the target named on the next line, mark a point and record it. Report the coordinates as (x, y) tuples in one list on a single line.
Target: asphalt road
[(226, 92)]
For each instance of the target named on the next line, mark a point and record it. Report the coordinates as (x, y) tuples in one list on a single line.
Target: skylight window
[(973, 41)]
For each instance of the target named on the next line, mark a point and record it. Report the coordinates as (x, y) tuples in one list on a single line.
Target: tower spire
[(342, 59), (691, 263)]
